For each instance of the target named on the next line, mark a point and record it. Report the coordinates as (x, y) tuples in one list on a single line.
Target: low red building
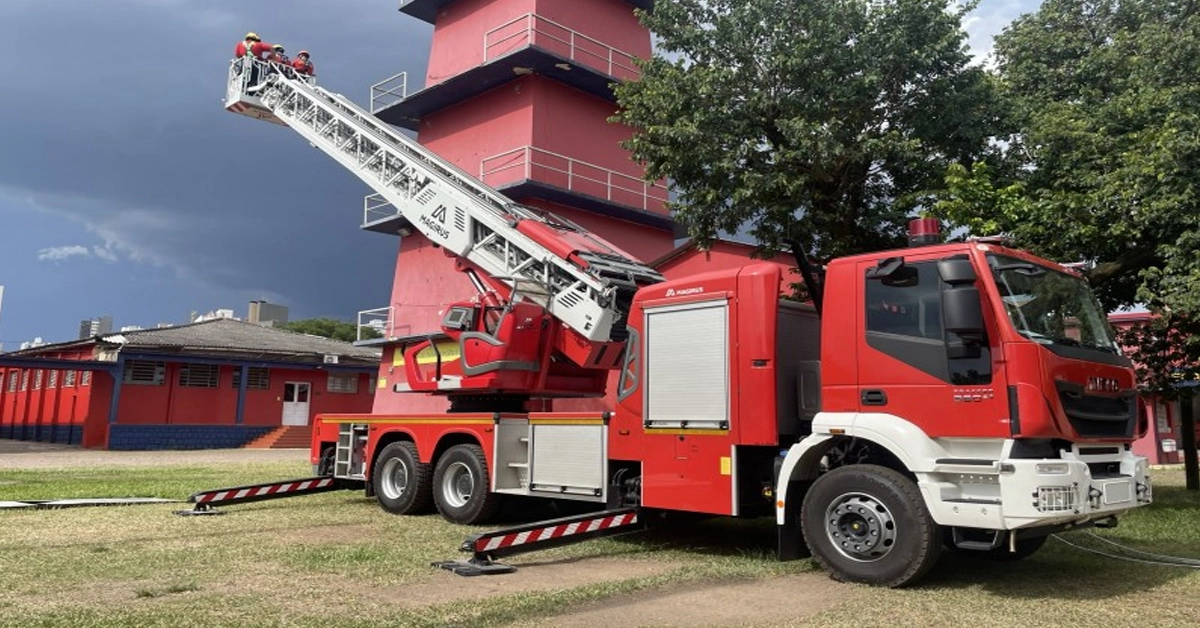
[(218, 383), (1162, 441)]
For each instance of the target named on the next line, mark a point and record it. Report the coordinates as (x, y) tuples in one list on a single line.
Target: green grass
[(336, 559)]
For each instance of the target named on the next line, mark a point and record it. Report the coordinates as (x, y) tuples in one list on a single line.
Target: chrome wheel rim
[(458, 484), (860, 527), (393, 478)]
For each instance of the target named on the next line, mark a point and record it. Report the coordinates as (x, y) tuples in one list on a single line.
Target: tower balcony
[(427, 10), (530, 172), (528, 44), (527, 171)]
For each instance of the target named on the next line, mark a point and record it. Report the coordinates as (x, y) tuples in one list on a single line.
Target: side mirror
[(962, 311), (894, 272), (956, 271)]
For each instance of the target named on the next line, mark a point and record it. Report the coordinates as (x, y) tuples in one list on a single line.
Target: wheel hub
[(458, 485), (394, 479), (860, 527)]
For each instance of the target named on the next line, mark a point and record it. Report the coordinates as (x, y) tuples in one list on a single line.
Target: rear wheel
[(461, 486), (869, 524), (401, 481)]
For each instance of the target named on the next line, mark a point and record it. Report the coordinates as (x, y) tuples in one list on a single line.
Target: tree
[(1106, 94), (329, 328), (833, 120)]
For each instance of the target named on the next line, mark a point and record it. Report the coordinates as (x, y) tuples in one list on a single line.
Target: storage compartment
[(564, 460)]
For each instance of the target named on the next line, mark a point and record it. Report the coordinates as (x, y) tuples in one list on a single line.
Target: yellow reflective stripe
[(449, 349), (692, 432), (597, 421), (405, 421)]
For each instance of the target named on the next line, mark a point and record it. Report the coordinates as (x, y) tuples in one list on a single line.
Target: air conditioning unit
[(330, 359)]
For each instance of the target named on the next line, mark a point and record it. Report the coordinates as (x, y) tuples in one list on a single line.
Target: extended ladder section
[(584, 281)]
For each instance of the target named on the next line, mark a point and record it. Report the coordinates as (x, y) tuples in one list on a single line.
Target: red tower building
[(519, 94)]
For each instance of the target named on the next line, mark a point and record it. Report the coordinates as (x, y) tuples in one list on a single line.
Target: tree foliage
[(1106, 94), (831, 119), (329, 328)]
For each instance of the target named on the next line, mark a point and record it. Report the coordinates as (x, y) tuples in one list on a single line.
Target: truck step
[(486, 547)]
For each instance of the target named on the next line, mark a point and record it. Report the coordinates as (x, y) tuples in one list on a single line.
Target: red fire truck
[(964, 395)]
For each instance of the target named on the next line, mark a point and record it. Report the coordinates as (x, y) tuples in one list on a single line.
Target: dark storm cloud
[(112, 118)]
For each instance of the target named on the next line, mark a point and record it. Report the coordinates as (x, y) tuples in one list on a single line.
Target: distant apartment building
[(95, 327), (269, 314)]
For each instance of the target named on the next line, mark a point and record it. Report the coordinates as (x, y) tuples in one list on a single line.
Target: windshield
[(1051, 307)]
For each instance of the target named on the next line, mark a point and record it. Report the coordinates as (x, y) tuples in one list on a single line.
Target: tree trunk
[(1187, 438)]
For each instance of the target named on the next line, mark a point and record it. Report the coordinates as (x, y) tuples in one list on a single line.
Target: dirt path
[(785, 601), (17, 454)]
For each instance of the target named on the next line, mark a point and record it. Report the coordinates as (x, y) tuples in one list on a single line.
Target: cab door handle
[(874, 398)]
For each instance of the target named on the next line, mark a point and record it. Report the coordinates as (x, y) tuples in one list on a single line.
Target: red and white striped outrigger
[(206, 501), (486, 547)]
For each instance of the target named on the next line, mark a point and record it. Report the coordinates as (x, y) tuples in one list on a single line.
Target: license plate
[(1118, 492)]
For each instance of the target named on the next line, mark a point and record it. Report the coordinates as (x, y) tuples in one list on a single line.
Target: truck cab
[(986, 377)]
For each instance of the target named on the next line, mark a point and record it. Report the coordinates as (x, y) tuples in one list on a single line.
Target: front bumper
[(1027, 493)]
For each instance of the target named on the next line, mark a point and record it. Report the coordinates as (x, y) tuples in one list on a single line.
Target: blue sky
[(126, 190)]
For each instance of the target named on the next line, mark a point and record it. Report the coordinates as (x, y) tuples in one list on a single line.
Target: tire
[(462, 488), (869, 524), (401, 482)]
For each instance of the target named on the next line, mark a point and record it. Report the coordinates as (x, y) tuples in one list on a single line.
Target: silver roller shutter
[(687, 371)]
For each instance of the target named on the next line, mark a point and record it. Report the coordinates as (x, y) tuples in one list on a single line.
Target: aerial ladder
[(584, 283)]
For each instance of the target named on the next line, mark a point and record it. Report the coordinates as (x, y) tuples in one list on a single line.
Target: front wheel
[(869, 524), (461, 487)]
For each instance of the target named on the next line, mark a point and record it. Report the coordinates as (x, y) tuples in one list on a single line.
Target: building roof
[(227, 337), (689, 246)]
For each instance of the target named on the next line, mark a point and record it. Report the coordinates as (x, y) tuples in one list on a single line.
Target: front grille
[(1094, 416), (1105, 469)]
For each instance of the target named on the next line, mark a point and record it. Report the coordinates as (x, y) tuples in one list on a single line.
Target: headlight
[(1052, 468)]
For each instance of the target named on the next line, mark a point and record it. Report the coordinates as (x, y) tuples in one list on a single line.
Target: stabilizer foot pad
[(475, 568), (198, 513)]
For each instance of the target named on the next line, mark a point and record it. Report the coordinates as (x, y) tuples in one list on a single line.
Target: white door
[(295, 403)]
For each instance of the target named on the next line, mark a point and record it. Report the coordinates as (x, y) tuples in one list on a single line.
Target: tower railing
[(379, 321), (533, 30), (536, 164), (389, 91)]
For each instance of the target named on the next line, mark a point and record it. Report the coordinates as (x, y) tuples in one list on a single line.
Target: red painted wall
[(574, 123), (723, 255), (424, 281), (461, 33), (39, 409), (95, 425), (602, 28), (610, 21), (172, 404), (1161, 415), (486, 125), (458, 34)]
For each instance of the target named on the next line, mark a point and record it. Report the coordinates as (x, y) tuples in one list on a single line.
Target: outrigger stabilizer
[(206, 501), (486, 547)]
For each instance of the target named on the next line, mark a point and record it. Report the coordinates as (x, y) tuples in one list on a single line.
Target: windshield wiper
[(1064, 340), (1021, 268)]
